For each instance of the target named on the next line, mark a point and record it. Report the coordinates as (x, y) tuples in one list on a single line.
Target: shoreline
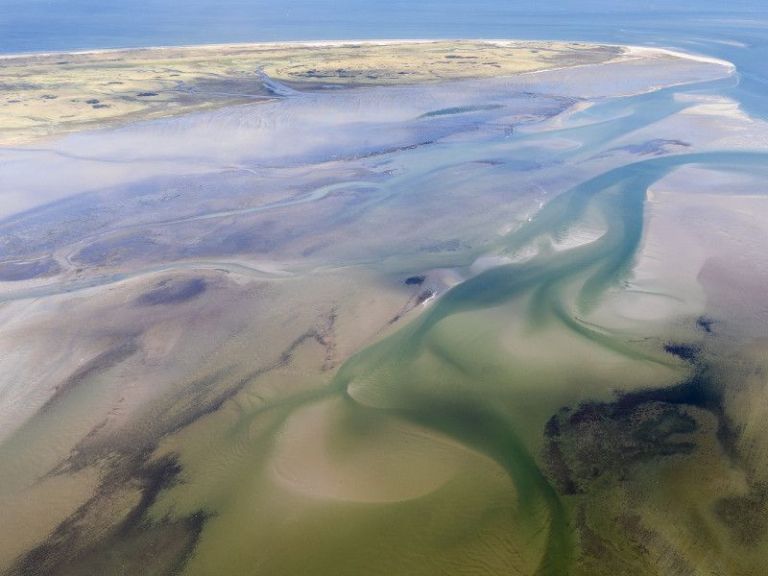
[(67, 91), (289, 44), (628, 48), (58, 91)]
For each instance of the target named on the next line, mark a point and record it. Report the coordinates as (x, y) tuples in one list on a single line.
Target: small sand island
[(381, 308)]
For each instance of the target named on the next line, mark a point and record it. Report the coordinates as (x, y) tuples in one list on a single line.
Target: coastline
[(290, 44), (51, 93), (629, 48)]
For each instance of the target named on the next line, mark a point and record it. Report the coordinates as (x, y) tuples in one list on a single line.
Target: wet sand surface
[(509, 323)]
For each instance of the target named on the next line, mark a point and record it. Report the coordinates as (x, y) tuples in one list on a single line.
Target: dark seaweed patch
[(697, 391), (701, 391), (593, 545), (745, 516), (154, 476), (173, 292), (424, 295), (687, 352), (601, 438), (552, 427), (134, 545), (705, 323), (559, 470)]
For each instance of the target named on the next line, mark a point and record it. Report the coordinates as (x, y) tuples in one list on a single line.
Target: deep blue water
[(736, 30)]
